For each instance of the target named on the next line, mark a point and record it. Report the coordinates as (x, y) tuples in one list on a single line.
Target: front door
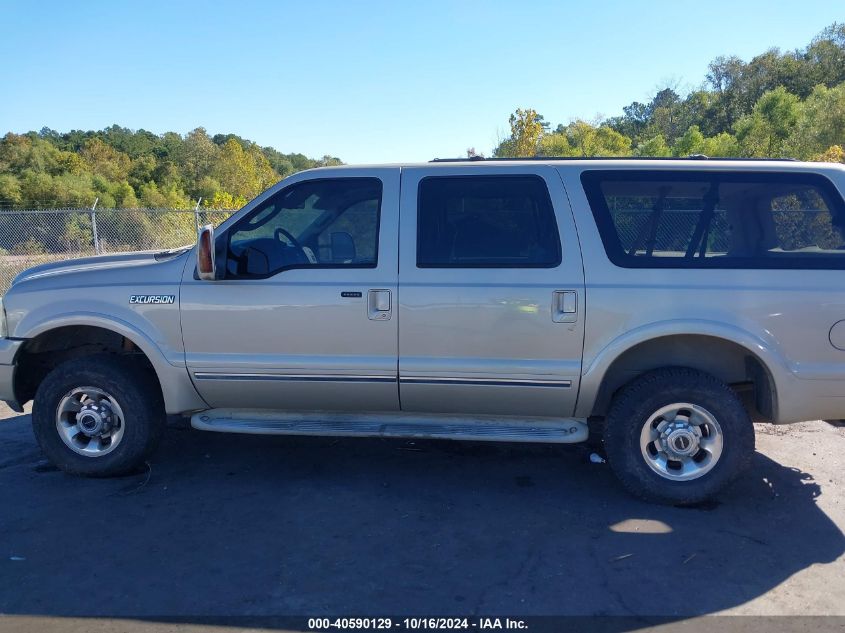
[(304, 316), (491, 292)]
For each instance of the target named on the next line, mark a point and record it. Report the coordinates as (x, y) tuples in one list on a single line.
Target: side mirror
[(205, 253)]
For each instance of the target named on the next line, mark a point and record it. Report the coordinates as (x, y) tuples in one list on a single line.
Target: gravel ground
[(260, 526)]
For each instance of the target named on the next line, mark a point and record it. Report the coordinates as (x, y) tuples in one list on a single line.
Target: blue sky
[(372, 81)]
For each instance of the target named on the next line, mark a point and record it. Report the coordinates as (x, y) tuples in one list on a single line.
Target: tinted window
[(486, 221), (717, 219), (313, 224)]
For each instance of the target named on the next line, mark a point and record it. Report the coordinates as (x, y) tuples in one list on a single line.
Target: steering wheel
[(306, 252), (286, 234)]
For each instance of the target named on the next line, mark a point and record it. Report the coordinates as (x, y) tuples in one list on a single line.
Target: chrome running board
[(478, 428)]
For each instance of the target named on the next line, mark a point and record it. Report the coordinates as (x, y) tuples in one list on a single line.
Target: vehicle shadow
[(225, 525)]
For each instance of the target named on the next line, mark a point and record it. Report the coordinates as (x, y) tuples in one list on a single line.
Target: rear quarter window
[(707, 219)]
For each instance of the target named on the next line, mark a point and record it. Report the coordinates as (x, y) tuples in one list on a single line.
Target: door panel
[(303, 338), (501, 340)]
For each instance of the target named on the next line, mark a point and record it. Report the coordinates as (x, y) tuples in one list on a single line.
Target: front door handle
[(565, 306), (379, 307)]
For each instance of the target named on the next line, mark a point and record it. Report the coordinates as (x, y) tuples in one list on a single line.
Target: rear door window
[(486, 222)]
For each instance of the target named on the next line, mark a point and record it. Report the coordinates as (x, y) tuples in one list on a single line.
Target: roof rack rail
[(473, 159)]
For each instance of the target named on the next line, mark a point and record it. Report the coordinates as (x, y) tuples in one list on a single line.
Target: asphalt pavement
[(257, 526)]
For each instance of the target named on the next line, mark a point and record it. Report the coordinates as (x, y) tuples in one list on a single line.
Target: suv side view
[(656, 306)]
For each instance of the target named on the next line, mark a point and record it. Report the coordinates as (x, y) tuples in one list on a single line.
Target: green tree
[(104, 160), (826, 56), (243, 173), (821, 123), (527, 128), (198, 156), (833, 154), (725, 77), (655, 146), (665, 109), (556, 144), (588, 140), (10, 190), (763, 132), (124, 196), (721, 145), (694, 142)]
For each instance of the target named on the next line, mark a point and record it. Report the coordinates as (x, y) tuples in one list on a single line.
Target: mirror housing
[(205, 253)]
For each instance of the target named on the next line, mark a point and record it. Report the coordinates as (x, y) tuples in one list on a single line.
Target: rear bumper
[(8, 350)]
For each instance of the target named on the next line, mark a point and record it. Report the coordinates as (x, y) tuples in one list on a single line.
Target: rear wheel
[(98, 415), (678, 436)]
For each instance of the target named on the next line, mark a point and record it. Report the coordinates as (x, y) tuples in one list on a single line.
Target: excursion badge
[(160, 299)]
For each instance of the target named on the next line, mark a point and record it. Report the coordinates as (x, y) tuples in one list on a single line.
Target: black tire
[(640, 399), (135, 390)]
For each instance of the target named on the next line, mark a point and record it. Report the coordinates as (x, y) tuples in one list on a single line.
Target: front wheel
[(98, 415), (678, 436)]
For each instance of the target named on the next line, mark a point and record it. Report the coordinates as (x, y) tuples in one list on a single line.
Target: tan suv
[(656, 305)]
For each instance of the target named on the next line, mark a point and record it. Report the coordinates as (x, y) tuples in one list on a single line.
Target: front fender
[(28, 330), (177, 389)]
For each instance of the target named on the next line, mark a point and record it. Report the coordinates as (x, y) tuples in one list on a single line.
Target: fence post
[(94, 226), (197, 215)]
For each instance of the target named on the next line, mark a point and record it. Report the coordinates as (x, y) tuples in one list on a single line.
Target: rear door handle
[(379, 305), (564, 306)]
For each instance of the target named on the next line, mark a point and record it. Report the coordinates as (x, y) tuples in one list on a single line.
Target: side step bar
[(485, 429)]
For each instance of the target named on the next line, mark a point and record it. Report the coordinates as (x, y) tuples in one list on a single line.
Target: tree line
[(120, 167), (778, 105)]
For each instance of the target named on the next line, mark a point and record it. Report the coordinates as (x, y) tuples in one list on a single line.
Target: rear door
[(491, 291)]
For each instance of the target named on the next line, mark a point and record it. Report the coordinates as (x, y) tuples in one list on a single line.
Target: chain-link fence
[(31, 237), (669, 231)]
